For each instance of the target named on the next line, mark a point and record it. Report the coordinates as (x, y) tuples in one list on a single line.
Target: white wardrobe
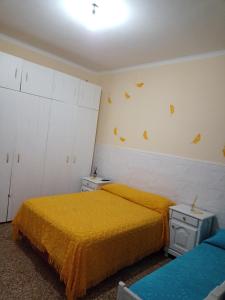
[(47, 132)]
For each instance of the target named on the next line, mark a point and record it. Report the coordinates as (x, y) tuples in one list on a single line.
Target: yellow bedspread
[(89, 236)]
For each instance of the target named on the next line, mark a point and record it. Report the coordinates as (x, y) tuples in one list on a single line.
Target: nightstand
[(187, 228), (92, 183)]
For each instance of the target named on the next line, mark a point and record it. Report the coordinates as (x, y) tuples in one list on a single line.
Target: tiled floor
[(25, 275)]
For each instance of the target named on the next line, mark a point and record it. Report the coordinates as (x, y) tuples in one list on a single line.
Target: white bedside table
[(92, 183), (187, 228)]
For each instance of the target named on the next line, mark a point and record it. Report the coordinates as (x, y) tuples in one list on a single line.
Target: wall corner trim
[(46, 53)]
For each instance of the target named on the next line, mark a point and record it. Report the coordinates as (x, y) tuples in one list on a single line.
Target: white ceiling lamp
[(98, 14)]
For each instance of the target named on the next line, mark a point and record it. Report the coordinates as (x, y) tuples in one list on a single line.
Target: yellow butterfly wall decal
[(115, 131), (109, 100), (145, 135), (122, 139), (126, 95), (140, 84), (172, 109), (197, 139)]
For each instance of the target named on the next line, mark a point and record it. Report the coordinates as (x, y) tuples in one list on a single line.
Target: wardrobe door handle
[(26, 76), (18, 158), (74, 159), (16, 73), (67, 159), (7, 158)]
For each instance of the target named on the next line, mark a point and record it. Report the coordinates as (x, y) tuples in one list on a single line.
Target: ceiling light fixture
[(94, 8), (98, 14)]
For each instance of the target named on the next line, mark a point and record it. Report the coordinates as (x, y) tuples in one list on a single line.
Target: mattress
[(89, 236)]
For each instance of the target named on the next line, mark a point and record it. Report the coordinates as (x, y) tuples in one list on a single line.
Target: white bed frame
[(123, 293), (218, 293)]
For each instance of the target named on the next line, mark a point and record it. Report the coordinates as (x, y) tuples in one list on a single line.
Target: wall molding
[(45, 53), (118, 70), (166, 62), (163, 154)]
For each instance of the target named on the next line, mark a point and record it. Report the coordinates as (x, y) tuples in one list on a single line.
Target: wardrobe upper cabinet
[(10, 71), (65, 88), (89, 95), (37, 80)]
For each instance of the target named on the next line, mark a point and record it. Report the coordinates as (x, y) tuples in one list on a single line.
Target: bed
[(197, 275), (89, 236)]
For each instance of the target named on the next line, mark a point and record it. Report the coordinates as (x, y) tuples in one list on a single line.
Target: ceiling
[(156, 30)]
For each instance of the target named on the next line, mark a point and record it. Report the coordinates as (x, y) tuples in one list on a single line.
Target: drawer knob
[(184, 218), (173, 226)]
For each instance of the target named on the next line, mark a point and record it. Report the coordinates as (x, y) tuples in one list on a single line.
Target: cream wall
[(195, 88), (45, 59)]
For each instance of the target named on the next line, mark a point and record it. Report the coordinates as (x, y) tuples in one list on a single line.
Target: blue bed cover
[(188, 277)]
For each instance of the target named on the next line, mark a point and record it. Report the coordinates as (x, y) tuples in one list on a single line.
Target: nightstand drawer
[(85, 189), (88, 184), (184, 218)]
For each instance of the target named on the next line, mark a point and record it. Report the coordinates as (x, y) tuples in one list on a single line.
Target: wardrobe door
[(59, 148), (37, 80), (83, 148), (10, 71), (89, 95), (8, 124), (30, 151), (65, 88)]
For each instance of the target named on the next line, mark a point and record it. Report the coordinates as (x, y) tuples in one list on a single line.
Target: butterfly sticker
[(145, 135), (115, 131), (109, 100), (172, 109), (140, 84), (127, 95), (197, 139)]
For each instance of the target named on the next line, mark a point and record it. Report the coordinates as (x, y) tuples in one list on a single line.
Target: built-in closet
[(48, 123)]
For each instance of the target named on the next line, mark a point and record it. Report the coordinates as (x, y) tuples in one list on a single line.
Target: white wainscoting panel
[(178, 178)]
